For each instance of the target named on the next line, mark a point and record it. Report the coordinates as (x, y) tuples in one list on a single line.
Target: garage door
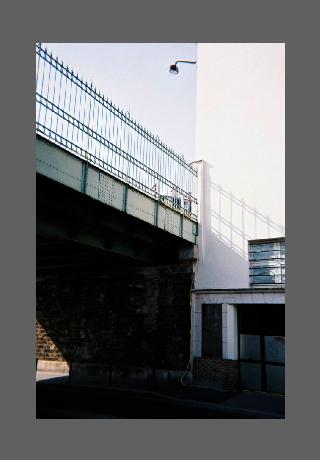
[(261, 336)]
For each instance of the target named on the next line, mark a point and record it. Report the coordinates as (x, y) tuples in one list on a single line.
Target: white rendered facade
[(240, 151), (240, 144)]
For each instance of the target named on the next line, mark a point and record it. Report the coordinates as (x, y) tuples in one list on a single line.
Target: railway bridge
[(116, 239)]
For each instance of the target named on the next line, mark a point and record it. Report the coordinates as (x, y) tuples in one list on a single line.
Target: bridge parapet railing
[(75, 115)]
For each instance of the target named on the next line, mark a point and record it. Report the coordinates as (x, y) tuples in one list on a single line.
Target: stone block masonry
[(134, 317)]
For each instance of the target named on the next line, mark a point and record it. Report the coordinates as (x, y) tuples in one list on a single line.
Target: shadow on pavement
[(58, 399)]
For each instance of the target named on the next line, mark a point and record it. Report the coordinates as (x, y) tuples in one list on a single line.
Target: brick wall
[(137, 317), (216, 373)]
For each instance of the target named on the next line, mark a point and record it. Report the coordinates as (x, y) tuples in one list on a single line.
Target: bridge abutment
[(119, 327)]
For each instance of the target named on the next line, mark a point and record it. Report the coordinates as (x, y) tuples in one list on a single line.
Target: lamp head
[(174, 69)]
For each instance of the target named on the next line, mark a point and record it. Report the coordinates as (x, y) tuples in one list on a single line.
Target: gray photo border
[(292, 23)]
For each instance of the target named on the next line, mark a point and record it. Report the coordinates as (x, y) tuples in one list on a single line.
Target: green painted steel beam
[(181, 225), (156, 213), (125, 198), (84, 178)]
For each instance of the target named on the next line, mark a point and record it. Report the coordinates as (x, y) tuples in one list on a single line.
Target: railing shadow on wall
[(227, 223), (237, 233)]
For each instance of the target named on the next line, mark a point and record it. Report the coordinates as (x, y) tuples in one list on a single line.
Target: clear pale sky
[(135, 77)]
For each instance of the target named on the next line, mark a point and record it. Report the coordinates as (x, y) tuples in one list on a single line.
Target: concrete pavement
[(183, 400)]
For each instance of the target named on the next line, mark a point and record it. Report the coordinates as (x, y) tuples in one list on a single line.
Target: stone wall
[(137, 317)]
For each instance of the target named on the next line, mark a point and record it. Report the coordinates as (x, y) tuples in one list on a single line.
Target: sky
[(135, 77)]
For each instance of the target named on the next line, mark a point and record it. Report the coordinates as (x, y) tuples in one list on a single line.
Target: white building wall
[(241, 140)]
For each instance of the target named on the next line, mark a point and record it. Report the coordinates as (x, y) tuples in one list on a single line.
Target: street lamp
[(174, 68)]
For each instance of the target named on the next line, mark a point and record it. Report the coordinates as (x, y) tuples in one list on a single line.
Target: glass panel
[(275, 348), (263, 279), (265, 263), (275, 378), (250, 347), (261, 247), (269, 271), (262, 255), (251, 375)]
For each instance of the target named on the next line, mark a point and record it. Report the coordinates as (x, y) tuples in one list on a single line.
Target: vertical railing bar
[(123, 137), (41, 90), (114, 158), (163, 157), (137, 154), (134, 154), (115, 142), (148, 162), (151, 161), (94, 120), (142, 158), (69, 107), (38, 91), (84, 114), (73, 107), (64, 102), (126, 147), (100, 118), (129, 150), (167, 174), (79, 114), (94, 127), (132, 147), (75, 100), (54, 94), (38, 59), (122, 147), (121, 160), (98, 129), (107, 126), (117, 137), (156, 160), (58, 104), (163, 161), (144, 178)]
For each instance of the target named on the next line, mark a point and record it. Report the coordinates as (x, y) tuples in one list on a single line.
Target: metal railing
[(74, 114)]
